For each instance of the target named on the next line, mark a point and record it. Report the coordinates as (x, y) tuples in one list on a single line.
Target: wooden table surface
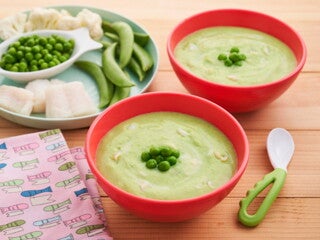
[(296, 212)]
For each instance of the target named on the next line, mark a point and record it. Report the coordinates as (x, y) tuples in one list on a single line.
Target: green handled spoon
[(280, 147)]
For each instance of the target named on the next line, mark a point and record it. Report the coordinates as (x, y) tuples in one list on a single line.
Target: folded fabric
[(47, 190)]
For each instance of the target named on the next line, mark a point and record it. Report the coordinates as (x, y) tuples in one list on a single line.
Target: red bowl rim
[(232, 181), (297, 69)]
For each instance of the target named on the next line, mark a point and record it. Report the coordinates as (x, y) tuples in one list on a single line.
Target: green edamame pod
[(126, 41), (112, 70), (143, 57), (119, 94), (104, 85), (136, 68)]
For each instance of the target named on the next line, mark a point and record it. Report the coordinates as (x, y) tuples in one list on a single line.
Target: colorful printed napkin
[(47, 190)]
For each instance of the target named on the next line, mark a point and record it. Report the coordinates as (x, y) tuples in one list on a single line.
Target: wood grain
[(296, 212)]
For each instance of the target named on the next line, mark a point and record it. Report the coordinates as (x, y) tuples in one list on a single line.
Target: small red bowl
[(237, 98), (167, 210)]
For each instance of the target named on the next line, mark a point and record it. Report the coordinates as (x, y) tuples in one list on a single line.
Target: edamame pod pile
[(123, 51)]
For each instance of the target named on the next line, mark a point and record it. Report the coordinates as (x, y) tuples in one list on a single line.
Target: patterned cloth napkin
[(47, 190)]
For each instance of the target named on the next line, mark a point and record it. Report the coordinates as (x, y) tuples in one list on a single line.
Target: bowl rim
[(194, 78), (232, 181)]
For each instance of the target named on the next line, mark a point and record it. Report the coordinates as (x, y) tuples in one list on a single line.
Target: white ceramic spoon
[(83, 43), (280, 147)]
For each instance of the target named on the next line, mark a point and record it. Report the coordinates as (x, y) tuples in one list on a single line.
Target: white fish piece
[(15, 99), (68, 100), (39, 88), (56, 81)]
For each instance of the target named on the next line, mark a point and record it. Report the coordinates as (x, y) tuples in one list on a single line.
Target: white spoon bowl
[(83, 43)]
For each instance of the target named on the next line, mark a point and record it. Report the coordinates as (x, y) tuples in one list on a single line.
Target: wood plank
[(293, 110), (289, 218)]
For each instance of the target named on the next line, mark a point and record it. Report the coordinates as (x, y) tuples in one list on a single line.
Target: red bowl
[(237, 98), (167, 210)]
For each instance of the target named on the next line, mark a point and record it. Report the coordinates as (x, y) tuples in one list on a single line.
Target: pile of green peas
[(234, 58), (33, 53), (161, 158)]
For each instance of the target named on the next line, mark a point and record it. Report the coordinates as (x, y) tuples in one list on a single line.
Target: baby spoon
[(280, 147)]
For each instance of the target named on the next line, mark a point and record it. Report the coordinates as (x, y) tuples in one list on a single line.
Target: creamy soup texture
[(207, 158), (267, 58)]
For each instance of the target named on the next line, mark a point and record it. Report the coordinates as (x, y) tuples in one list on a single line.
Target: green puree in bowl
[(267, 58), (207, 158)]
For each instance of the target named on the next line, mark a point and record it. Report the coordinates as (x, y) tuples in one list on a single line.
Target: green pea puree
[(267, 58), (207, 158)]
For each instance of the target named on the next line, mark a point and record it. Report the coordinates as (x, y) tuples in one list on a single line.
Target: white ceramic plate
[(75, 74)]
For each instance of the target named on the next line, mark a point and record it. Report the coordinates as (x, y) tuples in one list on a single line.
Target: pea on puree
[(204, 157), (265, 58)]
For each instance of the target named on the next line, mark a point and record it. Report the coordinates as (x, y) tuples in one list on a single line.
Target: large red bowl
[(167, 210), (237, 98)]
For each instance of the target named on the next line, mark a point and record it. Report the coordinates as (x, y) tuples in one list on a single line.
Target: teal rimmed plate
[(75, 74)]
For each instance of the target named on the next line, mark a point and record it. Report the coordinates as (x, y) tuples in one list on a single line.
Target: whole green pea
[(165, 151), (48, 57), (42, 41), (10, 58), (38, 56), (151, 163), (175, 153), (19, 54), (159, 158), (52, 64), (164, 166), (52, 40), (234, 50), (222, 57), (49, 47), (29, 56), (228, 62), (14, 69), (44, 65), (12, 51), (23, 67), (154, 151), (36, 49), (30, 42), (172, 160), (34, 68), (145, 156)]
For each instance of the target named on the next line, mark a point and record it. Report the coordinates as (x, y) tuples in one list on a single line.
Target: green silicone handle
[(277, 177)]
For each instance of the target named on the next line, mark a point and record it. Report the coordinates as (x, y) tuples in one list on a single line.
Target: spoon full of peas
[(44, 53)]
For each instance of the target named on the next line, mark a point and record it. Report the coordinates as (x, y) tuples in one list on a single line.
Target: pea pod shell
[(106, 26), (105, 44), (105, 87), (112, 36), (136, 68), (119, 94), (141, 38), (143, 57), (112, 70), (126, 40)]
